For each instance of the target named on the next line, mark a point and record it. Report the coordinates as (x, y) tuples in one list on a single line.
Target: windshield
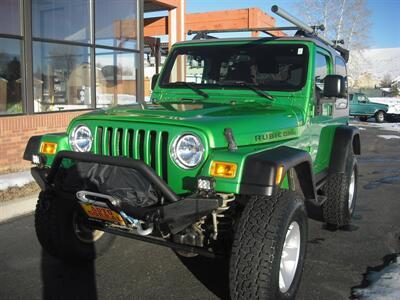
[(280, 67)]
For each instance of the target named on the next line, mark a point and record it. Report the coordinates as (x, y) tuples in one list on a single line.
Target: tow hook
[(137, 223)]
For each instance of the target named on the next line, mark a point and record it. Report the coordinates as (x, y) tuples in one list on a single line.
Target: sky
[(385, 16)]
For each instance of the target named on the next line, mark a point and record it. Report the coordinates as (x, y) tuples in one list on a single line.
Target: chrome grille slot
[(130, 141), (141, 144), (108, 141), (99, 142), (164, 156), (150, 146)]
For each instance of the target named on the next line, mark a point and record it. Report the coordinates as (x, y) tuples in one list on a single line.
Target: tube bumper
[(172, 215)]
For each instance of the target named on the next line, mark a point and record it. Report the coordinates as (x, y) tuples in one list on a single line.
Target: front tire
[(63, 232), (380, 116), (269, 248), (341, 192)]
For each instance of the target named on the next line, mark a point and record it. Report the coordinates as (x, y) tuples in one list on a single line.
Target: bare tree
[(348, 20), (386, 81), (343, 19)]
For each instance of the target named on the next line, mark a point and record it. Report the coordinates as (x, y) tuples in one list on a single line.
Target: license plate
[(102, 213)]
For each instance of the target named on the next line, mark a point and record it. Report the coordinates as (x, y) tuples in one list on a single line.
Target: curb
[(18, 207)]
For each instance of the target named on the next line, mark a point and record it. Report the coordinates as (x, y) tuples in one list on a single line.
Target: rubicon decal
[(276, 135)]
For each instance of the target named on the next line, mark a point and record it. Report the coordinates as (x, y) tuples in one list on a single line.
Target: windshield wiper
[(252, 86), (193, 87)]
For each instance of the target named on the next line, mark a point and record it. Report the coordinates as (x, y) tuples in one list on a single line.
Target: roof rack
[(300, 28)]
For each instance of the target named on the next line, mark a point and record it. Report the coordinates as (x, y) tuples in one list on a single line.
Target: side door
[(364, 106), (323, 107)]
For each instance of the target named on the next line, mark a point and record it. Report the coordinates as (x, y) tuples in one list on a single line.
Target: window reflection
[(9, 17), (10, 76), (61, 76), (115, 78), (61, 19), (116, 23)]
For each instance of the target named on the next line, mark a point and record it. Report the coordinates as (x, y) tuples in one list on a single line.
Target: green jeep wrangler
[(243, 140)]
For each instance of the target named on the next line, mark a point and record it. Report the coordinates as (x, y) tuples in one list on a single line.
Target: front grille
[(150, 146)]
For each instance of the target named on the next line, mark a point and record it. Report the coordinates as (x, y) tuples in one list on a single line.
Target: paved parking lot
[(336, 260)]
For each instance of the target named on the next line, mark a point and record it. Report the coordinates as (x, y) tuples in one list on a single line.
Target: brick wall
[(16, 131)]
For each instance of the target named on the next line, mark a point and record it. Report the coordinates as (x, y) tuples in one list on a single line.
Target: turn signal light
[(279, 175), (48, 148), (223, 169)]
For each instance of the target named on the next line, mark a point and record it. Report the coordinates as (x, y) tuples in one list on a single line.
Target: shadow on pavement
[(65, 281), (333, 228), (213, 273)]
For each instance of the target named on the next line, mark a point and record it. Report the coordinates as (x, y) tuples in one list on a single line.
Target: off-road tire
[(380, 116), (336, 210), (258, 243), (55, 230), (363, 119)]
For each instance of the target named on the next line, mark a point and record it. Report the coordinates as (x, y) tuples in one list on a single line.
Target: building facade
[(61, 58)]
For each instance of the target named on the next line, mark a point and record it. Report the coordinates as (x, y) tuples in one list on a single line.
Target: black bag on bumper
[(125, 184)]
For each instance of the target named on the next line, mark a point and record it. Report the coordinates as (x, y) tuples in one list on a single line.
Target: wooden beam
[(158, 5), (230, 19), (218, 20), (156, 26)]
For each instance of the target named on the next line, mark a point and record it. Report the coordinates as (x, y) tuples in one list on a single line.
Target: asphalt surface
[(336, 259)]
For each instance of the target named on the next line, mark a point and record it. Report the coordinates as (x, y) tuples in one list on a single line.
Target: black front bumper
[(172, 213)]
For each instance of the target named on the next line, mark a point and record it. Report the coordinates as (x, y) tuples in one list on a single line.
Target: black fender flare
[(346, 141), (259, 172)]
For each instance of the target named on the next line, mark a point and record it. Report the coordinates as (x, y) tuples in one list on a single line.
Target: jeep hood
[(251, 123)]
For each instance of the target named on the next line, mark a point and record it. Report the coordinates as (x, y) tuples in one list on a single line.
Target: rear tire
[(380, 116), (269, 248), (62, 230), (341, 192)]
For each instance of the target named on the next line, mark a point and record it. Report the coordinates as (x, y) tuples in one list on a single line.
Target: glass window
[(272, 67), (61, 19), (362, 98), (321, 69), (61, 75), (10, 76), (340, 69), (340, 66), (9, 17), (116, 23), (115, 77)]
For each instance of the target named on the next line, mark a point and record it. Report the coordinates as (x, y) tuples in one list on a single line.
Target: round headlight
[(81, 139), (187, 151)]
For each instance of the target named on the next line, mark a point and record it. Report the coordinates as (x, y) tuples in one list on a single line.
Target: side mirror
[(154, 81), (334, 86)]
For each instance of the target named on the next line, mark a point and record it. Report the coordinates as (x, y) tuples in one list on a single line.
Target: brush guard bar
[(171, 216)]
